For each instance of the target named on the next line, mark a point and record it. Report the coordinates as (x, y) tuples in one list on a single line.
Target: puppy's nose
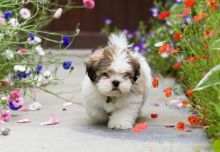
[(115, 83)]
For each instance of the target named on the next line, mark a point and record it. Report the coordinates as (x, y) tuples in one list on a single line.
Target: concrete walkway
[(76, 133)]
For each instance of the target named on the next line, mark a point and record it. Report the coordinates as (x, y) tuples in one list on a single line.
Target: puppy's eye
[(127, 75), (105, 75)]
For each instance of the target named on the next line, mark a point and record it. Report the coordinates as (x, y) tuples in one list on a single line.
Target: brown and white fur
[(117, 84)]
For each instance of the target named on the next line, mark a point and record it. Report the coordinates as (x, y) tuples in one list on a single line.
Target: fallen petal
[(24, 121), (52, 121), (24, 109), (67, 104), (35, 106)]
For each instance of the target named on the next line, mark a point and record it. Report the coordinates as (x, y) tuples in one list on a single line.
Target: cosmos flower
[(25, 13), (89, 4), (67, 65), (5, 115), (168, 91), (58, 13), (164, 15), (180, 126)]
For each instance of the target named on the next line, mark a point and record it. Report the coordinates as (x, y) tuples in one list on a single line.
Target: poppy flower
[(199, 17), (168, 91), (193, 120), (154, 115), (139, 127), (180, 126), (192, 59), (164, 15), (189, 92), (177, 65), (187, 11), (155, 82), (190, 3), (177, 36)]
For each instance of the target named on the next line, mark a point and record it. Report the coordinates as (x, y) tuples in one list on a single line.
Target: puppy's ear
[(136, 68), (91, 72)]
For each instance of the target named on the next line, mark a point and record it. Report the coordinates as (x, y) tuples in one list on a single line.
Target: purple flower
[(31, 36), (178, 1), (188, 19), (108, 21), (66, 41), (67, 65), (7, 15), (154, 11), (130, 36), (38, 69)]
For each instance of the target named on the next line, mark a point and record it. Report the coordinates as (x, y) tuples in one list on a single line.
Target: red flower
[(180, 126), (177, 36), (199, 17), (164, 15), (139, 127), (190, 3), (189, 92), (177, 65), (154, 115), (206, 57), (155, 82), (163, 48), (191, 59), (193, 120), (23, 51), (187, 11), (168, 91)]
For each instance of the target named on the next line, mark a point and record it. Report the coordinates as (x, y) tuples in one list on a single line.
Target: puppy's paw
[(119, 125)]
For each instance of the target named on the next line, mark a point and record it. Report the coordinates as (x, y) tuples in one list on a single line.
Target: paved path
[(76, 133)]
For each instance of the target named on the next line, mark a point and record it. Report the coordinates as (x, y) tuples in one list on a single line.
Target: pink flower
[(23, 51), (5, 115), (90, 4), (15, 98)]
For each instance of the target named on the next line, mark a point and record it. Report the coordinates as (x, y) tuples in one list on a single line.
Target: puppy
[(117, 84)]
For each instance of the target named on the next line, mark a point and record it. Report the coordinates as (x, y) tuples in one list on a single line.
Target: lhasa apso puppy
[(117, 84)]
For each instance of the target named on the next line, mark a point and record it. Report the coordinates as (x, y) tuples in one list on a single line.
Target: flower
[(177, 36), (190, 3), (187, 11), (32, 39), (189, 92), (19, 68), (2, 20), (154, 11), (47, 74), (193, 120), (159, 44), (15, 100), (168, 91), (192, 59), (5, 115), (67, 65), (13, 22), (154, 115), (108, 21), (180, 126), (23, 51), (31, 36), (9, 54), (164, 55), (177, 65), (155, 82), (164, 15), (89, 4), (139, 127), (58, 13), (7, 15), (66, 41), (188, 19), (25, 13), (38, 69), (12, 107), (199, 17), (185, 103), (39, 50), (163, 48)]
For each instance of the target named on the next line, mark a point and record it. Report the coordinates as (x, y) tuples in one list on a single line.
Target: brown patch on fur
[(99, 62), (136, 67)]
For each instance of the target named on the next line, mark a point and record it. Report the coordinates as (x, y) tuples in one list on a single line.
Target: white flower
[(164, 55), (19, 68), (25, 13), (159, 44), (58, 13), (47, 74), (39, 50), (37, 39), (9, 54), (13, 22)]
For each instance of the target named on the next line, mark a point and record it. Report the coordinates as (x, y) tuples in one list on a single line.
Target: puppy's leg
[(97, 115)]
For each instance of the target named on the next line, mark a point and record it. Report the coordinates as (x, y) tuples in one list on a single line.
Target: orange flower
[(185, 103), (139, 127), (168, 91), (189, 92), (164, 15), (193, 120), (208, 33), (190, 3), (177, 65), (155, 82), (163, 48), (199, 17), (187, 11), (180, 126), (177, 36), (212, 1), (191, 59)]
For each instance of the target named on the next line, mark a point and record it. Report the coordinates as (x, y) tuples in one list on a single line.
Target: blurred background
[(125, 14)]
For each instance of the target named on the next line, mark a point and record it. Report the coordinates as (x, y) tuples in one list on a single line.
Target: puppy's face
[(113, 71)]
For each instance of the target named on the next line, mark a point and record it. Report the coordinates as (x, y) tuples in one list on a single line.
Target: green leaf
[(216, 145)]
